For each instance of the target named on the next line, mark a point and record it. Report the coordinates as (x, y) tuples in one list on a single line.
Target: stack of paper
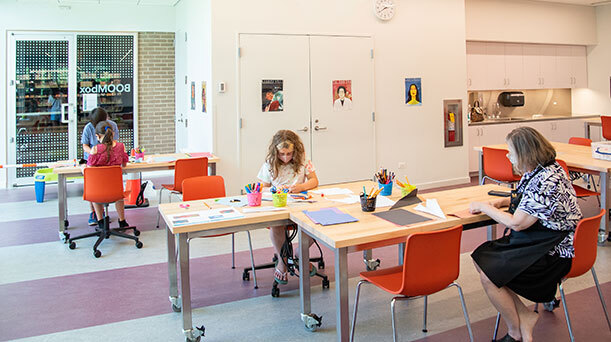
[(329, 216)]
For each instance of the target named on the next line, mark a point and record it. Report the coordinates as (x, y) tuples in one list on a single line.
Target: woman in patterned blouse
[(543, 213)]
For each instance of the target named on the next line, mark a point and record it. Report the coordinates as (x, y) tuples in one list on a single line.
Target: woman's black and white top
[(550, 197)]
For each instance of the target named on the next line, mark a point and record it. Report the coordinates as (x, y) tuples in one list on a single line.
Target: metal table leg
[(341, 294), (212, 167), (587, 129), (401, 250), (481, 167), (311, 321), (172, 271), (62, 205), (491, 233), (604, 203), (192, 334)]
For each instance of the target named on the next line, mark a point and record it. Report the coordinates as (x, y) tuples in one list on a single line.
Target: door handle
[(304, 129), (318, 128)]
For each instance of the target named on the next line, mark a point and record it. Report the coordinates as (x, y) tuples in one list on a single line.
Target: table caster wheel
[(311, 322), (175, 308), (72, 245), (65, 236), (325, 283), (246, 276), (97, 253), (136, 232), (197, 339), (138, 244), (550, 306), (66, 224)]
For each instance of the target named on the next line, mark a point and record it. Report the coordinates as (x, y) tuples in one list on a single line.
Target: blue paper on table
[(329, 216)]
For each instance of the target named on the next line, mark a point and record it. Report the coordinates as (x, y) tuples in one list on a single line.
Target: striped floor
[(51, 293)]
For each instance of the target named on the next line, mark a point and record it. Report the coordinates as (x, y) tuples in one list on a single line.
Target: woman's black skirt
[(538, 283)]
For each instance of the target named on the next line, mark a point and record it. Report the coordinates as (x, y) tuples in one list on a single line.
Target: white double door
[(341, 144)]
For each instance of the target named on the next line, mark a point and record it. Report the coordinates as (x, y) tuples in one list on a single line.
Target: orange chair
[(574, 174), (497, 167), (203, 187), (585, 244), (580, 141), (581, 192), (183, 169), (606, 126), (104, 185), (425, 271)]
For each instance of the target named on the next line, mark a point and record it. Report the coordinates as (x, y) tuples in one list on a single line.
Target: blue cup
[(39, 188), (386, 189)]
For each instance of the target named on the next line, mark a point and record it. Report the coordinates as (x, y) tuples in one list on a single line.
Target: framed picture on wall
[(452, 123)]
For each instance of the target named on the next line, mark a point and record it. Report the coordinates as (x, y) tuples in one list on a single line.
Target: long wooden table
[(369, 232), (149, 164), (577, 158)]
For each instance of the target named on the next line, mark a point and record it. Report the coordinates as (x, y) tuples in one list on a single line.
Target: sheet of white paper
[(332, 191), (266, 196), (431, 207), (348, 200), (261, 209), (383, 201), (203, 216), (90, 102)]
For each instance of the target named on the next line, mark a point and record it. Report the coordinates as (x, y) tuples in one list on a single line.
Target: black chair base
[(105, 233)]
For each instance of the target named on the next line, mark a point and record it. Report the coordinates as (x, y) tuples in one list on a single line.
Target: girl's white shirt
[(286, 175)]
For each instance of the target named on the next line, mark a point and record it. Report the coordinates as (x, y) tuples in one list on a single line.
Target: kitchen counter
[(528, 119)]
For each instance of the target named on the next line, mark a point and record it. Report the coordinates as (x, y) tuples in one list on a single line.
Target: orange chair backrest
[(606, 123), (202, 187), (187, 168), (497, 166), (580, 141), (585, 244), (564, 166), (432, 261), (103, 184)]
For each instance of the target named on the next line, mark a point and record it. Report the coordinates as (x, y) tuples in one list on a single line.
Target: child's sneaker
[(92, 219)]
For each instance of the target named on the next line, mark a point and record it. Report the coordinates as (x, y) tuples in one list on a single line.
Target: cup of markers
[(253, 194), (368, 201), (385, 180), (279, 196)]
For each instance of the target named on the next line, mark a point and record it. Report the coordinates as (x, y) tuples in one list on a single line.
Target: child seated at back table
[(109, 152), (286, 166)]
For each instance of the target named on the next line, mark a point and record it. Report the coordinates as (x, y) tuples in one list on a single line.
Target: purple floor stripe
[(585, 310)]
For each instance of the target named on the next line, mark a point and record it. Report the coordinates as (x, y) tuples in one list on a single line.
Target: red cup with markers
[(254, 199), (253, 194)]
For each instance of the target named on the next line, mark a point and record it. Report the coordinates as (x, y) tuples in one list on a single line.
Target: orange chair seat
[(583, 192), (389, 279), (170, 187)]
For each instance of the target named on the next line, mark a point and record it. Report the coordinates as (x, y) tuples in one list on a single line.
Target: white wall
[(596, 99), (193, 18), (48, 17), (425, 39), (530, 22)]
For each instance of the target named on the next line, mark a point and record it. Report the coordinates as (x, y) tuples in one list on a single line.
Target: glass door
[(42, 125)]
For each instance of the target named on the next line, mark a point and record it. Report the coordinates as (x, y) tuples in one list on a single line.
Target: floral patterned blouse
[(549, 196)]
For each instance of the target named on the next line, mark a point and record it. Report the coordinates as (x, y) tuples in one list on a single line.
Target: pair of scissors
[(185, 206)]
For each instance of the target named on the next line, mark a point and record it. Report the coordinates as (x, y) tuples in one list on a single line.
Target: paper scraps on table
[(351, 199), (332, 191), (431, 207), (462, 214), (383, 201), (203, 216)]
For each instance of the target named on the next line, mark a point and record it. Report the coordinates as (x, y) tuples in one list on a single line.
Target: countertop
[(542, 118)]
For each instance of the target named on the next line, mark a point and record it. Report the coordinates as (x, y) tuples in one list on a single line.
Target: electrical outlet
[(402, 165)]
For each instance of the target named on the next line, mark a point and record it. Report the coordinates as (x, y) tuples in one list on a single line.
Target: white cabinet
[(476, 65), (498, 66), (571, 66)]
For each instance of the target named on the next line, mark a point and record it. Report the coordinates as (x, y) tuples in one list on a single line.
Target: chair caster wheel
[(197, 339), (72, 245), (325, 283), (138, 244), (175, 308), (136, 232), (425, 330), (311, 321), (97, 253), (321, 265), (246, 276), (275, 292)]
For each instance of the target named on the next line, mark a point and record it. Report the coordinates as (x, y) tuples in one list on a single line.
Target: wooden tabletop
[(368, 229), (148, 164), (575, 156)]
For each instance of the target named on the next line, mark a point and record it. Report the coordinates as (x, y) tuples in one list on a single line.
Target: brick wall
[(156, 130)]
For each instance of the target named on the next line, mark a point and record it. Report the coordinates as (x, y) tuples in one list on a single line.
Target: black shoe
[(123, 224), (100, 225), (507, 338)]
